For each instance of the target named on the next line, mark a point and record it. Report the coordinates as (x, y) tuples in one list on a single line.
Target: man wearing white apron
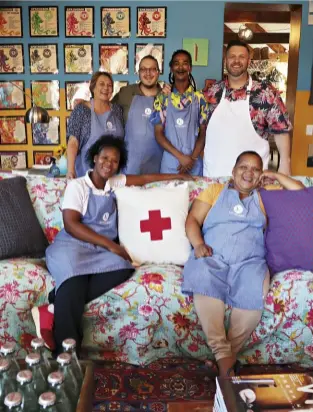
[(242, 115)]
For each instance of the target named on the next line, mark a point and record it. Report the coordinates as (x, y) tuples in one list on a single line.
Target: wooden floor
[(190, 406)]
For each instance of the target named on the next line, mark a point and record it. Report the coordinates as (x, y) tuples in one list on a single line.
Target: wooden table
[(85, 401)]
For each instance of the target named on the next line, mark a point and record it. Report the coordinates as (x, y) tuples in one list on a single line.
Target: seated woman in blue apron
[(89, 121), (227, 265), (85, 259), (180, 119)]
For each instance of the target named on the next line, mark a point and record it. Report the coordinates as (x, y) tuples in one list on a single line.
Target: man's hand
[(166, 89), (203, 250), (186, 163), (121, 251)]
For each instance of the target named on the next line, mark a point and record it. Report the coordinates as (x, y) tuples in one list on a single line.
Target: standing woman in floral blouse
[(242, 114), (89, 121)]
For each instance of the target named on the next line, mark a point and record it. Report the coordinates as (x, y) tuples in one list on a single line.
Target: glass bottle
[(47, 402), (7, 384), (13, 402), (27, 390), (56, 385), (70, 383), (69, 346), (38, 346), (8, 351), (39, 381)]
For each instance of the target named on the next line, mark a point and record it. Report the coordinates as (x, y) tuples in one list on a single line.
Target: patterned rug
[(168, 385)]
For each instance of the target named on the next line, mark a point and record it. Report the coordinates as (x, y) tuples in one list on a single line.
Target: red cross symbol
[(155, 225)]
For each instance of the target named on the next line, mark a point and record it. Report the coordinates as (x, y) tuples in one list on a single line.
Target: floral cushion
[(148, 317)]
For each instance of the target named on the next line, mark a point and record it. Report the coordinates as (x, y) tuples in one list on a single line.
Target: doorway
[(274, 47)]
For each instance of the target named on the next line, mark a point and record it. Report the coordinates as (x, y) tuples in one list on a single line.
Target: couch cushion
[(151, 223), (289, 235), (21, 234)]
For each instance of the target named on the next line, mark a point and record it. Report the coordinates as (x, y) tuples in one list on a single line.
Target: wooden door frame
[(274, 13)]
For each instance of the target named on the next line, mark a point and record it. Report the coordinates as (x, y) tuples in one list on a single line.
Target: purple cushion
[(289, 234)]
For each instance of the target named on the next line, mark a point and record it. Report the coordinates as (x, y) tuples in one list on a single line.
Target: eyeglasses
[(153, 70)]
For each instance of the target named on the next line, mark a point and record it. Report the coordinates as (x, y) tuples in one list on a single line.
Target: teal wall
[(185, 19)]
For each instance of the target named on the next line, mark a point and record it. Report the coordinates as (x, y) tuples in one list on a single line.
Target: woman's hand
[(185, 176), (268, 177), (70, 175), (203, 250), (121, 251)]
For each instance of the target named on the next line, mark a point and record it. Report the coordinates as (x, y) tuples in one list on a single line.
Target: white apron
[(230, 132)]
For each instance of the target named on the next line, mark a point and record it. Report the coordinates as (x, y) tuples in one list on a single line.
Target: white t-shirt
[(76, 194)]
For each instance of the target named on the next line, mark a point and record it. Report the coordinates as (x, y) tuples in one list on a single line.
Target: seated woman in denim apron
[(89, 121), (180, 120), (227, 265), (85, 259)]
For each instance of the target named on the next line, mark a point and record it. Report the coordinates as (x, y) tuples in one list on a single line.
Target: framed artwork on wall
[(11, 58), (76, 90), (43, 58), (79, 22), (151, 21), (11, 22), (78, 58), (115, 22), (13, 130), (199, 50), (13, 160), (42, 157), (114, 58), (46, 133), (11, 97), (43, 21), (153, 49), (46, 93)]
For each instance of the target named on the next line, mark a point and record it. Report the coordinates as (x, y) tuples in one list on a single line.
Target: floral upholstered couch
[(148, 317)]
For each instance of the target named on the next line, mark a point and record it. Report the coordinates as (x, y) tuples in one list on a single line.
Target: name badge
[(238, 209), (105, 216), (109, 125), (179, 121), (148, 111)]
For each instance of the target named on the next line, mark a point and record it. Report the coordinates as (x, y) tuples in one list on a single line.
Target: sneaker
[(43, 317)]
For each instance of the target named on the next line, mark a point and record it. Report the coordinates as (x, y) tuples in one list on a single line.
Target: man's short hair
[(237, 43)]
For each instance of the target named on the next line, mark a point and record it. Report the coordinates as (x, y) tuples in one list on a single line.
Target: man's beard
[(236, 73), (149, 86)]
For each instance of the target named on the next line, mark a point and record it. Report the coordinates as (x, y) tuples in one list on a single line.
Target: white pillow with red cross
[(151, 223)]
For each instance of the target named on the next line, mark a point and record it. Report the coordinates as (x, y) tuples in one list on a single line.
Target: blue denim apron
[(68, 257), (181, 129), (144, 153), (101, 124), (236, 271)]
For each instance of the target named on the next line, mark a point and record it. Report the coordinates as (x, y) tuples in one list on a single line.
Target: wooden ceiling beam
[(256, 28), (260, 38), (228, 30), (238, 16), (258, 7)]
